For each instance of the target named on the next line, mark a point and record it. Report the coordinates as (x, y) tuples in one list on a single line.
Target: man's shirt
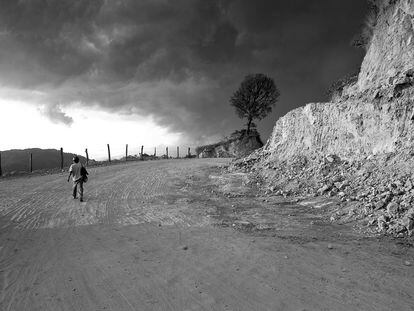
[(75, 169)]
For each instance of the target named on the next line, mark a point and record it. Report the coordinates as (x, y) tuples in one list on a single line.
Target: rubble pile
[(377, 191)]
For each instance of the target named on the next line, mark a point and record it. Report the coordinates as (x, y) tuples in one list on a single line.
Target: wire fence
[(36, 160)]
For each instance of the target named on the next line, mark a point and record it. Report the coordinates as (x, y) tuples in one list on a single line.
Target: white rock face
[(349, 129), (391, 51)]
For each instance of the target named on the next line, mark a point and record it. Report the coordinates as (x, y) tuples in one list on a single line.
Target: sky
[(77, 74)]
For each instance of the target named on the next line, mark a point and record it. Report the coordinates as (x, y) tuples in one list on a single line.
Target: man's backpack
[(84, 174)]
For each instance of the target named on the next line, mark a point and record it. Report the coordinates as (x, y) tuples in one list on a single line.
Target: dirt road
[(176, 235)]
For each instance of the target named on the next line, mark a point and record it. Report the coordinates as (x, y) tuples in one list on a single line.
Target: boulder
[(410, 213), (408, 223), (392, 208), (382, 223), (324, 189)]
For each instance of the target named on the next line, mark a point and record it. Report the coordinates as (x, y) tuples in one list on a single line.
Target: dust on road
[(177, 235)]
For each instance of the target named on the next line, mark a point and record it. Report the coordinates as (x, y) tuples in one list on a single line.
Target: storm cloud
[(176, 61)]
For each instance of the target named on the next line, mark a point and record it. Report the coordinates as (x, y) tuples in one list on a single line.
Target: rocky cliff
[(359, 148), (375, 114), (390, 53)]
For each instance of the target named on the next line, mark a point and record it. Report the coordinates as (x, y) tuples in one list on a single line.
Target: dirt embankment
[(180, 235)]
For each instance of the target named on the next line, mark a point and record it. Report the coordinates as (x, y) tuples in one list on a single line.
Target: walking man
[(77, 178)]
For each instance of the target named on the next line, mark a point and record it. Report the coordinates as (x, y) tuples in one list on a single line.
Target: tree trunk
[(249, 123)]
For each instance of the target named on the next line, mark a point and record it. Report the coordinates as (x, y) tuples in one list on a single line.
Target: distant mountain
[(18, 160)]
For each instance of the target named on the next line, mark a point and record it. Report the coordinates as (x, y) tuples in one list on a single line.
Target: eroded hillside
[(360, 147)]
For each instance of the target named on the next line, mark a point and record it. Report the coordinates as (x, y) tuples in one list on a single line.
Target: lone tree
[(255, 98)]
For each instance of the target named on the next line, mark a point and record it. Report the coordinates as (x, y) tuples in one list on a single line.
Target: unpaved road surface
[(176, 235)]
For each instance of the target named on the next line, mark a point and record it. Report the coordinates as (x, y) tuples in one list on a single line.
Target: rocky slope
[(360, 148), (239, 144)]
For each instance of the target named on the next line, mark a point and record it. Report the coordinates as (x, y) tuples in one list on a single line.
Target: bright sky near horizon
[(24, 126)]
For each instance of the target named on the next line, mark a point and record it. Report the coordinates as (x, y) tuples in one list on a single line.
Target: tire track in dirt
[(121, 194), (127, 194), (59, 254)]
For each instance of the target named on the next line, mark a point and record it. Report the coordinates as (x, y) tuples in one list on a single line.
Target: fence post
[(61, 158), (126, 152), (178, 152), (31, 162), (142, 152), (189, 152), (1, 171), (109, 153), (166, 151), (87, 157)]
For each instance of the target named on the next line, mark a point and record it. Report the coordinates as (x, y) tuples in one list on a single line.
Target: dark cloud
[(177, 61), (46, 41)]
